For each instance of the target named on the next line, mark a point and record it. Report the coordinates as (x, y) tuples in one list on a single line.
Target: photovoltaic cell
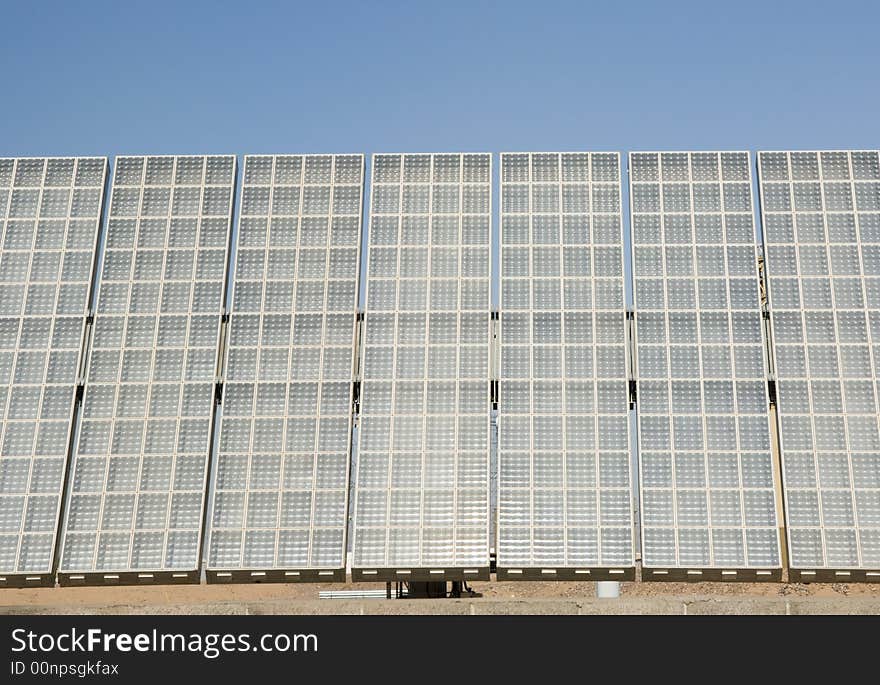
[(422, 481), (705, 463), (50, 210), (280, 499), (565, 496), (821, 221), (140, 463)]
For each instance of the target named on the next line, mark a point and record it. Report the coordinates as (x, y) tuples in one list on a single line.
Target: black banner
[(270, 649)]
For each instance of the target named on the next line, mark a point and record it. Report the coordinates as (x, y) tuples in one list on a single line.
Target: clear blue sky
[(167, 77)]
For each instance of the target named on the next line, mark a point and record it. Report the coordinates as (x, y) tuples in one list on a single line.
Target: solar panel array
[(50, 211), (821, 218), (565, 496), (132, 504), (140, 462), (280, 499), (706, 469), (422, 486)]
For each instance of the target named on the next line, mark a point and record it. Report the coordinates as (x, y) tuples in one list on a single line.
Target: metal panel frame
[(567, 570), (44, 575), (76, 573), (712, 570), (221, 573), (826, 571), (421, 569)]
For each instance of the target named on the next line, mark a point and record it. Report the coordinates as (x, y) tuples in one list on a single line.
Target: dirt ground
[(196, 594), (564, 590)]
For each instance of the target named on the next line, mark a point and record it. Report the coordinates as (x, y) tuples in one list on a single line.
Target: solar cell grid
[(706, 470), (140, 462), (50, 212), (821, 218), (280, 502), (422, 488), (565, 499)]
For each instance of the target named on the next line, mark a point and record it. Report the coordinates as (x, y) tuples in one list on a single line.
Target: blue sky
[(164, 77)]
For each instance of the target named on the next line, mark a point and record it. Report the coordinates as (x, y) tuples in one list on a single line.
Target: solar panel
[(821, 221), (280, 498), (422, 476), (565, 494), (50, 210), (708, 504), (136, 500)]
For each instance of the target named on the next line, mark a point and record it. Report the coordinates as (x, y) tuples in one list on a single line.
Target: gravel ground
[(196, 594)]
